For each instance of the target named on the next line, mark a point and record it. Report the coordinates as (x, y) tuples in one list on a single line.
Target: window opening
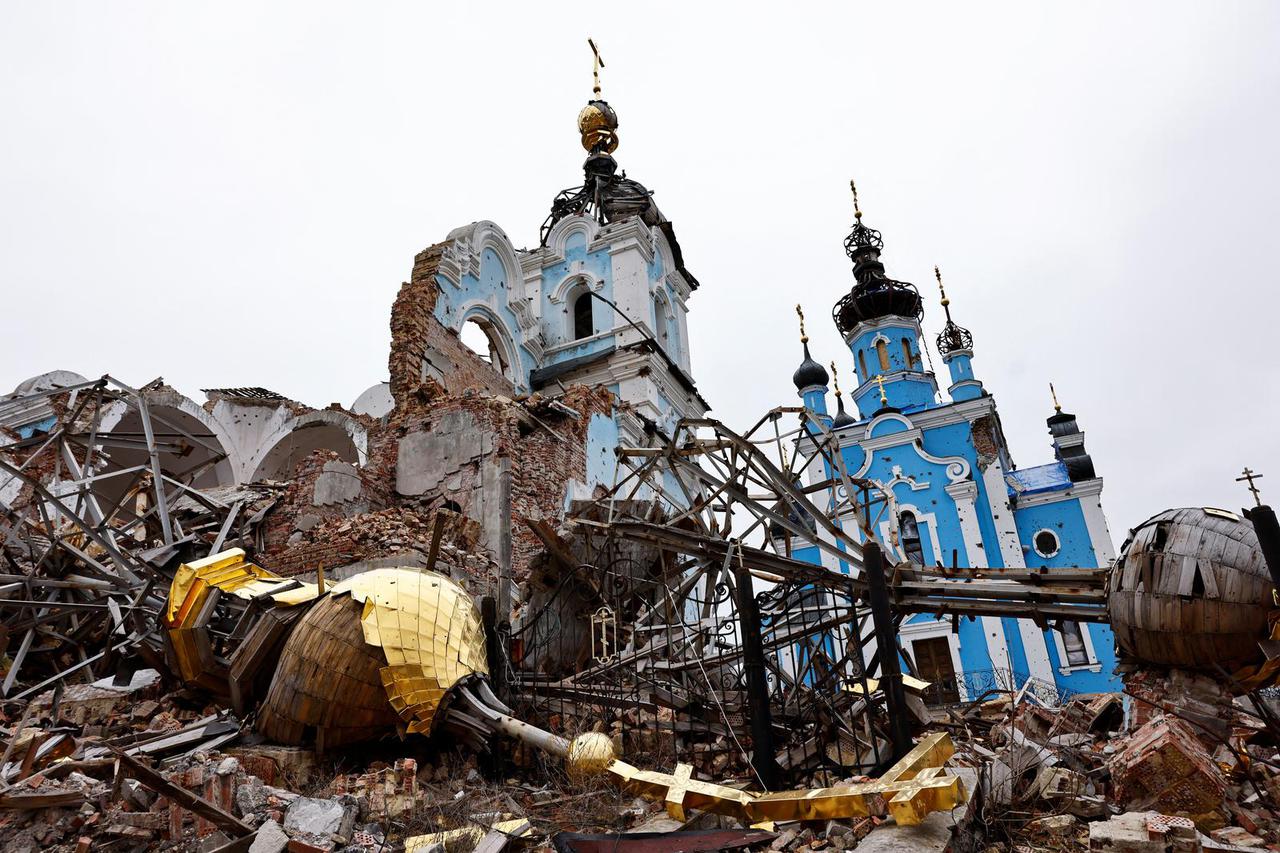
[(583, 323), (909, 534), (478, 337), (883, 352), (1073, 642)]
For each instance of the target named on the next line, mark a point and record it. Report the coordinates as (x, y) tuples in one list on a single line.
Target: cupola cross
[(1250, 477)]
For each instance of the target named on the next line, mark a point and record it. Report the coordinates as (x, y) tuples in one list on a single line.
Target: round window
[(1046, 543)]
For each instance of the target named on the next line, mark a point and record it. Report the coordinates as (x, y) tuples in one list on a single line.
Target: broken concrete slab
[(271, 838), (321, 819), (338, 483)]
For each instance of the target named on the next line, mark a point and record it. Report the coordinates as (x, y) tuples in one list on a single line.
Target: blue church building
[(953, 494)]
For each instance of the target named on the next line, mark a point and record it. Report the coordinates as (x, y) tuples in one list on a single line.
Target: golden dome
[(598, 124)]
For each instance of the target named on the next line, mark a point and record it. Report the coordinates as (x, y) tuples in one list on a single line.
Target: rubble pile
[(1174, 763)]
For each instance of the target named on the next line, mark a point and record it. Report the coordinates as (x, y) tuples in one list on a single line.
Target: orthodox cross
[(804, 339), (1250, 476), (835, 378), (884, 398), (857, 211), (1054, 395), (596, 64)]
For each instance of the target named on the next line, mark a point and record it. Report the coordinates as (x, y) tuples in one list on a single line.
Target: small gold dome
[(598, 124), (590, 754)]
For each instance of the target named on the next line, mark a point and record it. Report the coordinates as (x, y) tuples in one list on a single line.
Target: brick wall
[(416, 335)]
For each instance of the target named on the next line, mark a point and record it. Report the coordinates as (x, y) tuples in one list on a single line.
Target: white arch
[(568, 284), (566, 228), (466, 252), (501, 336), (311, 427)]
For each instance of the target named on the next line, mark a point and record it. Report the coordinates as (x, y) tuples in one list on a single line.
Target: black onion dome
[(809, 373), (874, 295), (842, 418)]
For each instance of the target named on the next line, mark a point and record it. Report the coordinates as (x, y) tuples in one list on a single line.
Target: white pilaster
[(964, 494), (1096, 522)]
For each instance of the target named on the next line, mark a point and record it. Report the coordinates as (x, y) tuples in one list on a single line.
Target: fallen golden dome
[(399, 636)]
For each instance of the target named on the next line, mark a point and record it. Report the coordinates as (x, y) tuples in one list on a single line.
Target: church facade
[(954, 495)]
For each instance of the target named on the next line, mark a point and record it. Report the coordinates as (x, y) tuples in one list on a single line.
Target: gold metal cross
[(884, 398), (596, 64), (804, 339), (1250, 476), (1054, 395), (857, 211), (835, 378)]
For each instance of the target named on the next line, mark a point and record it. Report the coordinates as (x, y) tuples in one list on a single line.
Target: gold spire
[(884, 398), (1250, 476), (596, 64), (1052, 393), (835, 379), (857, 211), (804, 339), (938, 275)]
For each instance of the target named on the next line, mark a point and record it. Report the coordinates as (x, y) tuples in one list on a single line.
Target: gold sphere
[(598, 124), (590, 754)]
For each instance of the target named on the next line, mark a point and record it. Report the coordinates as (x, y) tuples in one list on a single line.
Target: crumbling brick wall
[(545, 447), (418, 337)]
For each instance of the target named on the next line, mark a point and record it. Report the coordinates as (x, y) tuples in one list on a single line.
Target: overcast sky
[(230, 194)]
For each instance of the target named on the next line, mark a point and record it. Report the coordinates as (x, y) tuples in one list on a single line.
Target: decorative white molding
[(570, 283), (956, 467), (964, 383), (926, 520), (896, 470), (558, 239), (624, 235), (1082, 490), (882, 323), (956, 353)]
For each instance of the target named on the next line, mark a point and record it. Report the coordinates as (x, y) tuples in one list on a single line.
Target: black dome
[(809, 373), (842, 418)]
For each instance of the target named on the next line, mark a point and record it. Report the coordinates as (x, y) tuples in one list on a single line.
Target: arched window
[(862, 367), (660, 326), (583, 323), (907, 358), (478, 335), (882, 352), (909, 535)]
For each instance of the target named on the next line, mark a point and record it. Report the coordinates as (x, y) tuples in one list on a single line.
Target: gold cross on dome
[(835, 378), (596, 64), (884, 398), (1054, 395), (1250, 477), (804, 339)]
